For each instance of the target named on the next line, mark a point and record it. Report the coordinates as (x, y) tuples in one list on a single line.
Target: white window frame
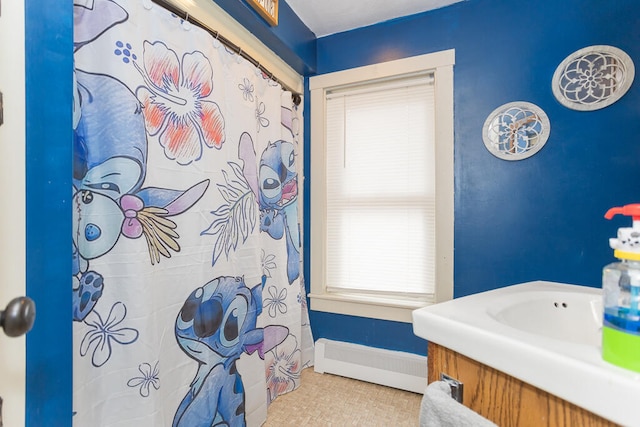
[(378, 307)]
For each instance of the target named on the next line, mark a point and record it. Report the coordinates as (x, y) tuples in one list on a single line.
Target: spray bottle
[(621, 299)]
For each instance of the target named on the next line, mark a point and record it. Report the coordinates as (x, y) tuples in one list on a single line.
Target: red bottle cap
[(632, 210)]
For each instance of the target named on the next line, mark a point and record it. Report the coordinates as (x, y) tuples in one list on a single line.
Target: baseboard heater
[(396, 369)]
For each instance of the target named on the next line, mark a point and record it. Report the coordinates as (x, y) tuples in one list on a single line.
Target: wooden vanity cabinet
[(505, 400)]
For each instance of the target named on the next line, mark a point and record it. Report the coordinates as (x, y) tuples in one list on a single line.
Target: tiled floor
[(330, 400)]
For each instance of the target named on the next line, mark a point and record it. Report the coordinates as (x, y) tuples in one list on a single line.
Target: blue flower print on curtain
[(262, 121), (103, 334), (247, 89), (276, 303), (150, 378)]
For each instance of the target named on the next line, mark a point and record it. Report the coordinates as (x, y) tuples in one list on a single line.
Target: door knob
[(18, 317)]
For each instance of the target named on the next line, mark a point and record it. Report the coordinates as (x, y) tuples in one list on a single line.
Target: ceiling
[(324, 17)]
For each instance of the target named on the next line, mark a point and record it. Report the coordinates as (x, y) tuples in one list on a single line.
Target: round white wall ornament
[(516, 130), (593, 77)]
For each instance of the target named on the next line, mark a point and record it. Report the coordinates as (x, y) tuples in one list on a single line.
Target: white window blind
[(380, 195)]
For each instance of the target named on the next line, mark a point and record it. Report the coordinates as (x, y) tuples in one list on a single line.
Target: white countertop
[(571, 370)]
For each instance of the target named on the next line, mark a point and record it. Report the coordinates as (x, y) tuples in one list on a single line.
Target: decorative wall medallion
[(516, 130), (593, 78)]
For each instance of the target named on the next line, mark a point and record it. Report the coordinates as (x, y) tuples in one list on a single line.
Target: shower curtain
[(189, 306)]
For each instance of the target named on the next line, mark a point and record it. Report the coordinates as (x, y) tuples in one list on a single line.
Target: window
[(382, 187)]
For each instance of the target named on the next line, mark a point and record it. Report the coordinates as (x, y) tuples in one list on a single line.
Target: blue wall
[(539, 218), (49, 68), (290, 39)]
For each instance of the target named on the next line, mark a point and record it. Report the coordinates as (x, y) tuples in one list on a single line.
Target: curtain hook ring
[(186, 25)]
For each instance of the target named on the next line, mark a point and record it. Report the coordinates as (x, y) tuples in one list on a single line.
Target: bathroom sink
[(567, 316), (543, 333)]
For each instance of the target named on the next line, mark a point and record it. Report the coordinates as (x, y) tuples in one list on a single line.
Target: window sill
[(398, 310)]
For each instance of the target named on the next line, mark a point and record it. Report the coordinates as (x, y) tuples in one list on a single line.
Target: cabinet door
[(12, 203)]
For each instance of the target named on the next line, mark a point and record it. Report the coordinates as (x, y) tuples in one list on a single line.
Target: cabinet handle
[(18, 317)]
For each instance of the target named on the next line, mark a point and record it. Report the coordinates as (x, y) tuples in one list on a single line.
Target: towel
[(439, 409)]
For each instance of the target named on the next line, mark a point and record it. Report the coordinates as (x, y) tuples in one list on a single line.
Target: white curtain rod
[(225, 41)]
